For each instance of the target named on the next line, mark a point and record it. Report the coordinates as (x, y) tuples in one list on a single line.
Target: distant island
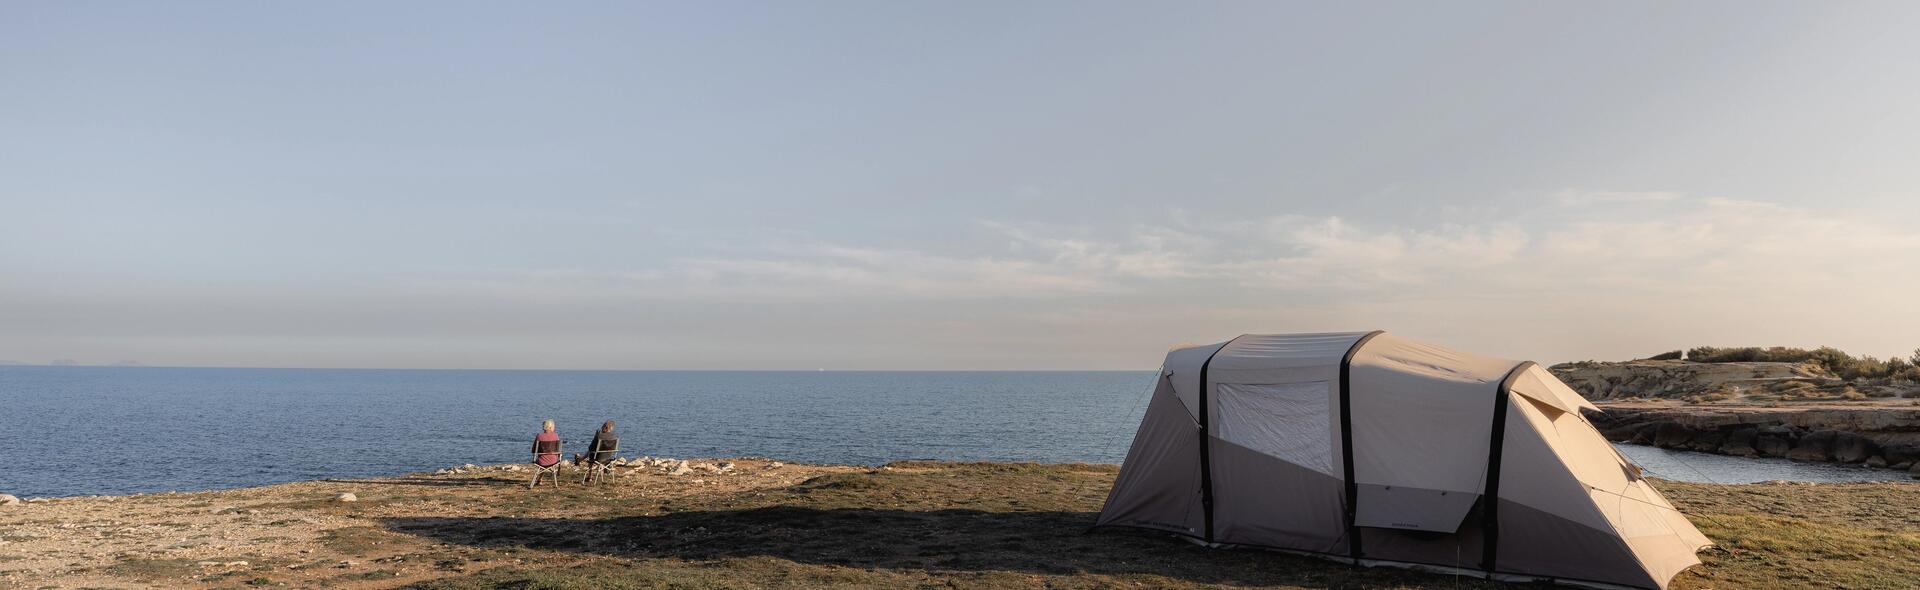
[(1817, 404)]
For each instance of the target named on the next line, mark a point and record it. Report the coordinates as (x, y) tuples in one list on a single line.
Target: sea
[(72, 431)]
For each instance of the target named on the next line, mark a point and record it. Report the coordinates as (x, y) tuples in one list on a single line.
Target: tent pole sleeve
[(1346, 444), (1490, 514), (1206, 459)]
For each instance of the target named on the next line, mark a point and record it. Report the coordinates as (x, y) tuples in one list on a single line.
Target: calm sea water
[(112, 430)]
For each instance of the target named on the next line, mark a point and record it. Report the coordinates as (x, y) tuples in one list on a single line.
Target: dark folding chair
[(600, 460), (545, 448)]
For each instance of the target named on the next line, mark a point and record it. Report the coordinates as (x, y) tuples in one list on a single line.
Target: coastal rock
[(1623, 433), (1853, 448), (725, 466), (1670, 435), (1739, 443), (9, 500), (1899, 453), (1644, 436), (1771, 444), (682, 469), (1915, 470), (1876, 461), (776, 465), (1902, 466), (1815, 446), (346, 497), (1708, 441)]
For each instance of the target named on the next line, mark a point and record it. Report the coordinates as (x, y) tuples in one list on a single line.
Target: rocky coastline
[(1753, 409)]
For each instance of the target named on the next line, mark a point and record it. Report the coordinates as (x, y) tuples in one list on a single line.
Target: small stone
[(1876, 461), (725, 465), (9, 500), (346, 497), (776, 465), (682, 469)]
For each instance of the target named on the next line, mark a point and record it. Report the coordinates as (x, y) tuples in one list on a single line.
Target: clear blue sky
[(987, 185)]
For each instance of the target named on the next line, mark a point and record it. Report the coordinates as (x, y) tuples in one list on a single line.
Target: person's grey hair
[(546, 425)]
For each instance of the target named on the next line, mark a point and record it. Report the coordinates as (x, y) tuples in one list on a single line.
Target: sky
[(954, 185)]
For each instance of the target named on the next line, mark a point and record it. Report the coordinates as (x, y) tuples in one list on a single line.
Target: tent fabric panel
[(1159, 484), (1422, 415), (1584, 451), (1534, 473), (1542, 543), (1562, 452), (1401, 507), (1285, 351), (1287, 421), (1539, 384), (1460, 549), (1626, 505), (1261, 500), (1664, 556), (1182, 367), (1281, 358)]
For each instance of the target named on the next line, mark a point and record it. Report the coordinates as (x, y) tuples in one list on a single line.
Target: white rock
[(346, 497), (776, 465), (9, 500), (681, 470), (725, 465), (469, 467)]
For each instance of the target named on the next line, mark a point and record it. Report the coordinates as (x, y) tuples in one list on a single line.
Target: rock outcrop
[(1878, 435)]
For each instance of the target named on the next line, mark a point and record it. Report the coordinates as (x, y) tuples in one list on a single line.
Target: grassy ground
[(912, 525)]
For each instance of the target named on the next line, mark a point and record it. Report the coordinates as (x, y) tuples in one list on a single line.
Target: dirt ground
[(766, 525)]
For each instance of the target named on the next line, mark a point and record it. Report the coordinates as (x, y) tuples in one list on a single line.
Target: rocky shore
[(1872, 436), (757, 523), (1753, 409)]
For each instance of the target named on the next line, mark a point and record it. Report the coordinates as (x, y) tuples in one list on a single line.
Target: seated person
[(600, 451), (546, 451)]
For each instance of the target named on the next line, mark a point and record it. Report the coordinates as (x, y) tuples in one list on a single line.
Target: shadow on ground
[(428, 483), (948, 540)]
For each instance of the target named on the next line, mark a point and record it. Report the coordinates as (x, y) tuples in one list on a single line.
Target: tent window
[(1289, 421)]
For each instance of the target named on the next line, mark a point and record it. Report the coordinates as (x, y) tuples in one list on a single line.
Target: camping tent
[(1380, 450)]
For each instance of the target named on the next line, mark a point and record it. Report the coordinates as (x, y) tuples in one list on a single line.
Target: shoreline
[(773, 524), (1874, 435)]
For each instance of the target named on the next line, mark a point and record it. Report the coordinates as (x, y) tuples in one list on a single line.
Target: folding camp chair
[(543, 448), (600, 460)]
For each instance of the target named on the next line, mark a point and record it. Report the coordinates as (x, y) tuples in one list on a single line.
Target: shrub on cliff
[(1835, 361), (1666, 356)]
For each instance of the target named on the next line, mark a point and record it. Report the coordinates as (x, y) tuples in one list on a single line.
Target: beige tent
[(1379, 450)]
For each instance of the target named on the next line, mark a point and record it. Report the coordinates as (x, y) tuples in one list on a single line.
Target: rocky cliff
[(1753, 409), (1717, 382)]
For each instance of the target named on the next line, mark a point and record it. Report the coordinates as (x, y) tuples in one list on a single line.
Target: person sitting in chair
[(599, 453), (546, 454)]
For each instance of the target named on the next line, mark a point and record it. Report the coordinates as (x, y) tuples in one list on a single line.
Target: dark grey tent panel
[(1164, 493)]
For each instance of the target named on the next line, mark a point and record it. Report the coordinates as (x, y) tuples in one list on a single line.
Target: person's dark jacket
[(601, 449)]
